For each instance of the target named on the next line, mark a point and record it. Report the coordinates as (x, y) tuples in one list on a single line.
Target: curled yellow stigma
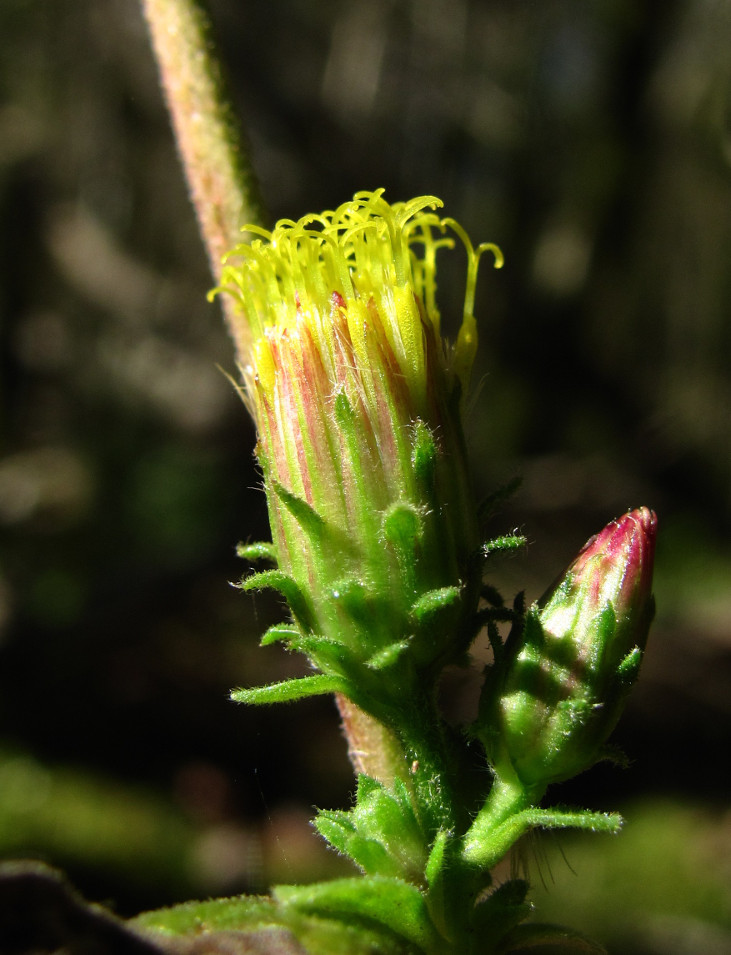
[(367, 253)]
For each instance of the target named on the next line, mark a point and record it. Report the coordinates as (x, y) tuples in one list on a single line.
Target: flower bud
[(358, 401), (579, 652)]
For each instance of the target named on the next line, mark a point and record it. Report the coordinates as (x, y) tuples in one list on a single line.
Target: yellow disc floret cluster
[(369, 254)]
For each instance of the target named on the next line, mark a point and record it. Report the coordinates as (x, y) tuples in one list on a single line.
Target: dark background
[(592, 142)]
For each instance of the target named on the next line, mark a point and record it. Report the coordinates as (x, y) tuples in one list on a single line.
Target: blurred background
[(592, 142)]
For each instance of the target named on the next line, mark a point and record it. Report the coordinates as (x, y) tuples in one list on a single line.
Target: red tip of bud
[(626, 551)]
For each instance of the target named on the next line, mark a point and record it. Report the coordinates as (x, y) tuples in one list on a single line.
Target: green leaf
[(353, 596), (387, 816), (558, 818), (287, 586), (366, 786), (529, 634), (435, 875), (348, 424), (505, 544), (388, 655), (605, 626), (336, 826), (306, 516), (402, 795), (485, 843), (391, 902), (260, 551), (272, 926), (424, 458), (433, 602), (338, 829), (629, 668), (328, 655), (243, 912), (435, 615), (434, 870), (284, 632), (402, 528), (325, 653), (290, 690)]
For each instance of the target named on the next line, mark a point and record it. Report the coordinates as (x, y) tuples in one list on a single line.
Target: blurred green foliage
[(94, 823), (660, 886), (593, 143)]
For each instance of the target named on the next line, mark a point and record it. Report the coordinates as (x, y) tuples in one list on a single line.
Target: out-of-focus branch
[(210, 140)]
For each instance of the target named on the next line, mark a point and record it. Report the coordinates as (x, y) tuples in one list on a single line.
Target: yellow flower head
[(357, 399), (367, 256)]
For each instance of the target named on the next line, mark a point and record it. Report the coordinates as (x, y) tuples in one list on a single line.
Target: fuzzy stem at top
[(210, 140)]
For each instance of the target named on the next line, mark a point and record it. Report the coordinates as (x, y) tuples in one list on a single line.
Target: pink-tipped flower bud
[(564, 683)]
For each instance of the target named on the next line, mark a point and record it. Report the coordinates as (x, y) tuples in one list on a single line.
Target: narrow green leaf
[(434, 874), (433, 602), (269, 580), (373, 858), (605, 627), (279, 632), (485, 844), (290, 690), (388, 655), (353, 596), (387, 816), (609, 822), (326, 653), (402, 794), (505, 544), (306, 516), (435, 863), (343, 817), (366, 786), (424, 457), (260, 551), (404, 800), (402, 529), (344, 413), (630, 667), (338, 829), (287, 586), (347, 422), (392, 902)]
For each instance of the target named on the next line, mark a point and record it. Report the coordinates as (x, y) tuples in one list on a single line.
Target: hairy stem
[(373, 749), (210, 140), (426, 752)]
